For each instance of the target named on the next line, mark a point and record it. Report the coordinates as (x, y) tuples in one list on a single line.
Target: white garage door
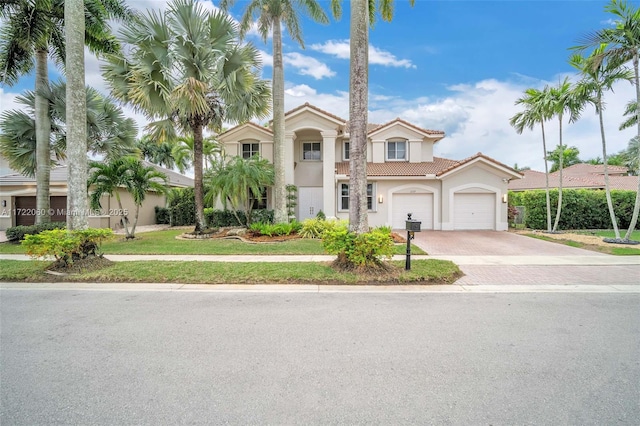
[(474, 211), (420, 205)]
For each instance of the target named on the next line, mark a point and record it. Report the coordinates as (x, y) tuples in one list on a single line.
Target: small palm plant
[(128, 173)]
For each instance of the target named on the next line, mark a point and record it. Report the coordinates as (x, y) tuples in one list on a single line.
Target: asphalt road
[(129, 357)]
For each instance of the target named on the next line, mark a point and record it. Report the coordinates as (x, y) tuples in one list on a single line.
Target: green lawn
[(635, 235), (164, 242), (614, 249), (422, 272)]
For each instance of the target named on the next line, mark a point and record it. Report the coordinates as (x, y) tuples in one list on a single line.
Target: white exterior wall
[(478, 178)]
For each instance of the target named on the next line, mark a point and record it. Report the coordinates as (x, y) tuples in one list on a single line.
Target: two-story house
[(402, 173)]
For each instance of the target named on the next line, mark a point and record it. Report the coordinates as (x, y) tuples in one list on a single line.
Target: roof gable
[(483, 159), (402, 127), (248, 130)]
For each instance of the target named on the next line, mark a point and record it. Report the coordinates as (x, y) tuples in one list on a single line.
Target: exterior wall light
[(380, 199), (4, 203), (505, 198)]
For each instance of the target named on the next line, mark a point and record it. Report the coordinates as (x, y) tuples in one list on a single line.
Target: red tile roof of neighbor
[(573, 178), (437, 167)]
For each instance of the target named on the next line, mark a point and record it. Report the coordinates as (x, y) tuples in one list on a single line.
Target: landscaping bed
[(587, 240)]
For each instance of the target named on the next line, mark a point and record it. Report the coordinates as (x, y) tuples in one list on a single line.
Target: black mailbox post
[(412, 227)]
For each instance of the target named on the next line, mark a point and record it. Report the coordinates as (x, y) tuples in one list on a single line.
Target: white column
[(329, 172), (289, 160)]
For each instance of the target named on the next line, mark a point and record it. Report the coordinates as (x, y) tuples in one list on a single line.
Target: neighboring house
[(403, 175), (18, 200), (578, 176)]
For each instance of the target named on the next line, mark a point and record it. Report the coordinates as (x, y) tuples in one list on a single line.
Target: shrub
[(17, 233), (163, 215), (277, 229), (581, 208), (182, 207), (314, 227), (321, 215), (359, 251), (223, 218), (66, 246)]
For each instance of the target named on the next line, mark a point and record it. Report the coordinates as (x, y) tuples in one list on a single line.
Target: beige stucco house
[(403, 174), (18, 200)]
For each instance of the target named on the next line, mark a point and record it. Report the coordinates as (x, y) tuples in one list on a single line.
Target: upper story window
[(311, 151), (260, 202), (397, 150), (250, 149), (345, 150), (344, 197)]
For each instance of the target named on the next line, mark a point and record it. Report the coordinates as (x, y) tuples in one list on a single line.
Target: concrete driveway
[(499, 258)]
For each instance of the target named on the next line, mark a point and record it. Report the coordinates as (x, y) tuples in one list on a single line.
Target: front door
[(309, 202)]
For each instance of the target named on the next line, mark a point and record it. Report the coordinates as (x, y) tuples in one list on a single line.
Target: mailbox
[(412, 225)]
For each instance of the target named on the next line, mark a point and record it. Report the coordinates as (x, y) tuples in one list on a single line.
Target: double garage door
[(26, 210), (419, 205), (474, 211)]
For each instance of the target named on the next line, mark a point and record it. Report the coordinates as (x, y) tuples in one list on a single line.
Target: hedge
[(220, 218), (17, 233), (581, 208), (163, 215), (182, 207)]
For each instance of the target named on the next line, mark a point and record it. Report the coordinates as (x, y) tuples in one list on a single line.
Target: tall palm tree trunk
[(636, 207), (560, 164), (125, 218), (43, 134), (77, 199), (279, 187), (607, 189), (358, 107), (546, 177), (197, 176)]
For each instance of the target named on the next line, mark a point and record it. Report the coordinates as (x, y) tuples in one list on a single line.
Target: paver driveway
[(524, 260), (491, 243)]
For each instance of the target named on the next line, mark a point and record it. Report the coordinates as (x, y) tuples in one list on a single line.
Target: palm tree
[(128, 173), (109, 133), (563, 101), (269, 16), (160, 153), (238, 182), (536, 111), (185, 69), (622, 44), (596, 79), (630, 111), (363, 13), (183, 151), (33, 32)]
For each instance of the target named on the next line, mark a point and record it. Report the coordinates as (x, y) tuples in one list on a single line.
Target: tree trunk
[(197, 177), (607, 190), (559, 209), (546, 175), (77, 199), (43, 134), (279, 187), (358, 109), (135, 221), (125, 218), (636, 207)]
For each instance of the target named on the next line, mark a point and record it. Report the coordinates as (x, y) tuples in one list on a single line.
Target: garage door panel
[(474, 211), (419, 205)]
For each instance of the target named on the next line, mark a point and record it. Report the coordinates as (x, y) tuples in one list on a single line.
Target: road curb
[(314, 288)]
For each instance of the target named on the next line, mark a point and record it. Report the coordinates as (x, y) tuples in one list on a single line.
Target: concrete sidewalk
[(585, 260)]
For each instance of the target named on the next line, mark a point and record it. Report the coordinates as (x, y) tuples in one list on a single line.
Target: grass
[(429, 271), (635, 235), (164, 242), (612, 249)]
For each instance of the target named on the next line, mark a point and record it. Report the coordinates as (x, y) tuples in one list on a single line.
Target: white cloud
[(340, 49), (306, 65)]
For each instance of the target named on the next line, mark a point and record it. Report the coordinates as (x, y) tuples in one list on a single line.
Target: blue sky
[(456, 66)]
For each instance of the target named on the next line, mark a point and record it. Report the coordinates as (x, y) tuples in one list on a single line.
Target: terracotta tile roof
[(584, 169), (308, 105), (536, 180), (473, 157), (400, 168), (248, 123), (413, 126)]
